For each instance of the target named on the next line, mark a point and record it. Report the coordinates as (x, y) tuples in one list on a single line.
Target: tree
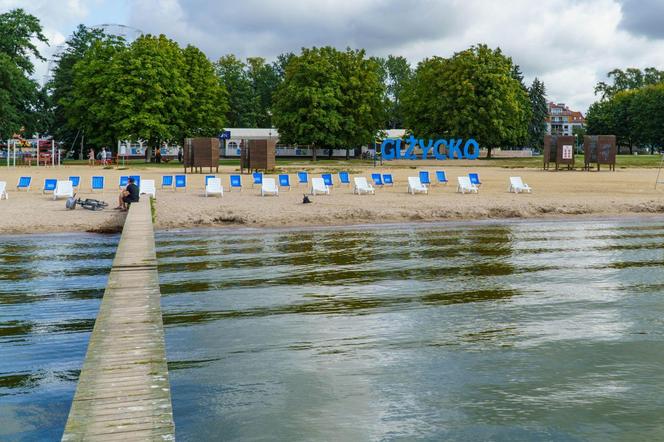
[(329, 99), (61, 85), (308, 103), (630, 78), (19, 95), (209, 101), (92, 104), (17, 39), (232, 72), (538, 114), (150, 94), (264, 80), (473, 94)]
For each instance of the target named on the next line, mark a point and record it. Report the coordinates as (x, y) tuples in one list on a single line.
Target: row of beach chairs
[(268, 185)]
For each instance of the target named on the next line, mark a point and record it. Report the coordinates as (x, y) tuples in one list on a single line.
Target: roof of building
[(266, 133)]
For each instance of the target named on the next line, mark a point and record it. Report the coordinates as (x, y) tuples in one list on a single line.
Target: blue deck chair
[(75, 181), (167, 181), (258, 178), (441, 177), (97, 183), (124, 180), (424, 178), (49, 185), (387, 179), (475, 179), (181, 182), (344, 178), (302, 178), (284, 181), (327, 179), (208, 178), (377, 179), (236, 182), (24, 183), (137, 180)]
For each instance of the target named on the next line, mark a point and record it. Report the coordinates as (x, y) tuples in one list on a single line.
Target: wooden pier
[(123, 391)]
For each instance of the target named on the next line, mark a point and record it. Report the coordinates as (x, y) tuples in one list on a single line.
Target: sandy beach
[(625, 192)]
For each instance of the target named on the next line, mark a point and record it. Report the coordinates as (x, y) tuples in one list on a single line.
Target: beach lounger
[(302, 178), (258, 178), (214, 187), (415, 186), (475, 179), (424, 178), (148, 188), (318, 186), (181, 182), (284, 181), (24, 183), (63, 188), (75, 181), (137, 180), (327, 179), (3, 190), (269, 187), (517, 185), (97, 183), (49, 185), (362, 186), (387, 179), (167, 181), (124, 181), (465, 185), (344, 178), (236, 182), (441, 177), (377, 179), (208, 177)]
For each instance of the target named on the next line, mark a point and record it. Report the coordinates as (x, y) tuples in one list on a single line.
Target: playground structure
[(41, 151)]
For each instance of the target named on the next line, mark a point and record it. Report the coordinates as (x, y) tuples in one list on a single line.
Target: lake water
[(50, 290), (511, 331), (488, 331)]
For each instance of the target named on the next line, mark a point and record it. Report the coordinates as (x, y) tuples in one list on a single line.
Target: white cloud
[(569, 44)]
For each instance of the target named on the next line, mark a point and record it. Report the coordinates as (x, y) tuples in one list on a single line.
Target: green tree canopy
[(538, 114), (473, 94), (19, 31), (329, 99)]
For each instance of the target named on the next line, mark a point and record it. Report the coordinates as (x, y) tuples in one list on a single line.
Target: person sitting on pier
[(128, 196)]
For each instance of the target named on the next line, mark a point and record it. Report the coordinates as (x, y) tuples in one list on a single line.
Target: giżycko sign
[(441, 149)]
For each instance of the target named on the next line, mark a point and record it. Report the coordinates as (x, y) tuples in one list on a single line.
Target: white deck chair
[(517, 185), (416, 186), (214, 187), (269, 187), (3, 190), (318, 186), (465, 185), (362, 186), (63, 188), (148, 188)]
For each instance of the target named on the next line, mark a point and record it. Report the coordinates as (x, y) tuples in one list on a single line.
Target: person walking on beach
[(103, 156), (128, 196), (157, 157), (91, 157), (179, 154)]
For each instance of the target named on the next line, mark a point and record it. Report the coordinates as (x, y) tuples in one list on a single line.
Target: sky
[(568, 44)]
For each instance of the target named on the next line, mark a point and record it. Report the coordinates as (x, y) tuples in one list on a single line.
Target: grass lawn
[(623, 161)]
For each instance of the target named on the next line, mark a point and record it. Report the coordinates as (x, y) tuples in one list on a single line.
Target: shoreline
[(556, 196)]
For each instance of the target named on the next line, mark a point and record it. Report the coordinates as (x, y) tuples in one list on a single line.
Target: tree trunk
[(347, 154), (488, 153), (313, 152)]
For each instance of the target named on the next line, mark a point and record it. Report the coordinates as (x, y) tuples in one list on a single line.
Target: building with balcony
[(562, 120)]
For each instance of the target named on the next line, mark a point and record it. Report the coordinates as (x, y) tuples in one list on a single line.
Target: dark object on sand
[(89, 204), (306, 199)]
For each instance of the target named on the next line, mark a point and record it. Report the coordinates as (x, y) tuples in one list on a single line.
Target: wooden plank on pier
[(123, 391)]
